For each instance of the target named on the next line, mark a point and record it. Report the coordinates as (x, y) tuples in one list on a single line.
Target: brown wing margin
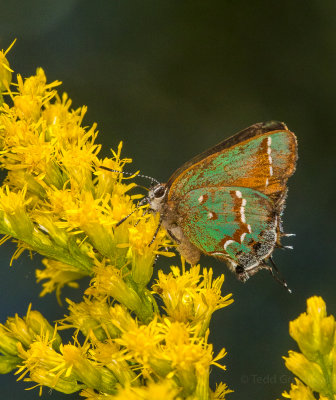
[(248, 133)]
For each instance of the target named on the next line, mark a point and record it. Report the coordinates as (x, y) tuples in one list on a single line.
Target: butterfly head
[(157, 197)]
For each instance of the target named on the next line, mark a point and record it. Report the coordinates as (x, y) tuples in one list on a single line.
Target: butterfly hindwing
[(263, 162), (232, 223)]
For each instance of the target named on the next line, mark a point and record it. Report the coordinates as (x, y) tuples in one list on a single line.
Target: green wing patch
[(228, 221), (263, 163)]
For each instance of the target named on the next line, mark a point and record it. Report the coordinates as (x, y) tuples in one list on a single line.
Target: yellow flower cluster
[(57, 200), (315, 366)]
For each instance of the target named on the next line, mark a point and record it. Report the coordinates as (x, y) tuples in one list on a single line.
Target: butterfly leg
[(144, 212), (178, 241), (155, 233), (276, 275), (155, 259)]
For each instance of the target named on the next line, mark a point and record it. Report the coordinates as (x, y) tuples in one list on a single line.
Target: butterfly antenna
[(277, 275), (127, 216), (141, 203), (153, 180)]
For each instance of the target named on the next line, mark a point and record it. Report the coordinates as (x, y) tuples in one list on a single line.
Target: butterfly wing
[(261, 157), (234, 223)]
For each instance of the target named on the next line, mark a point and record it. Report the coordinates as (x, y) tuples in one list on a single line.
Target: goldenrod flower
[(85, 370), (141, 342), (91, 317), (110, 355), (308, 371), (172, 349), (314, 332), (141, 255), (299, 391), (57, 274), (26, 329), (57, 200), (191, 297), (48, 368), (13, 208), (112, 282), (18, 334), (221, 391), (163, 390)]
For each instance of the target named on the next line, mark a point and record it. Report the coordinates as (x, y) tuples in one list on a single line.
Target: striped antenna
[(124, 219), (153, 180)]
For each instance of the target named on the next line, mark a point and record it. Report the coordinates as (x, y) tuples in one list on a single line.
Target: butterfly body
[(228, 201)]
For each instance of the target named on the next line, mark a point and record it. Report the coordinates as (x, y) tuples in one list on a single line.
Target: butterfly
[(227, 202)]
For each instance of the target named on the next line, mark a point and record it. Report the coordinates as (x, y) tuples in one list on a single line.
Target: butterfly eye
[(159, 192)]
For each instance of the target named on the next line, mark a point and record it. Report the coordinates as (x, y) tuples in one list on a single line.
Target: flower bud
[(314, 331), (309, 372), (40, 326), (8, 363)]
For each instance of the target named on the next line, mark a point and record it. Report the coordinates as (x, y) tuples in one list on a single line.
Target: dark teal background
[(170, 79)]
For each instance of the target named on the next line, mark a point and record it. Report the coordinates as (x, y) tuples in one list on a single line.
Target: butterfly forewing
[(263, 162)]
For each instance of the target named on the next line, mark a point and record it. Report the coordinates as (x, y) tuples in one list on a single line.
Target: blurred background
[(171, 79)]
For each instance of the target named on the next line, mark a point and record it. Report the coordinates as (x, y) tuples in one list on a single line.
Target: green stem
[(325, 371), (71, 254)]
